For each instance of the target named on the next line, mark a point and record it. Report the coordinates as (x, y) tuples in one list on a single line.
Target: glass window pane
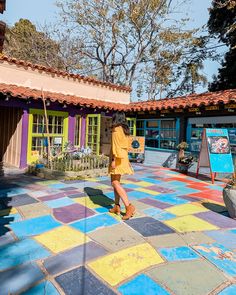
[(152, 133), (140, 124), (140, 132), (167, 144), (151, 143), (151, 124), (168, 124)]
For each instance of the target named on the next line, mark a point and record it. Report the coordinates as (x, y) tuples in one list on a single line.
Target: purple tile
[(217, 219), (71, 213), (160, 189), (148, 226), (77, 195), (18, 200), (191, 199), (69, 188), (155, 203), (52, 197), (81, 281), (73, 257)]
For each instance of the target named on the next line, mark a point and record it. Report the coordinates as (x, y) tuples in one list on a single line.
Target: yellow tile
[(103, 186), (62, 238), (124, 181), (186, 209), (147, 191), (92, 179), (6, 212), (143, 183), (189, 223), (87, 202), (121, 265)]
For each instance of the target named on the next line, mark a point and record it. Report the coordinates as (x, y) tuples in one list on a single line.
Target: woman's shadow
[(98, 197)]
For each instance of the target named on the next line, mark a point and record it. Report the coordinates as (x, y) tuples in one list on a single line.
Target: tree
[(24, 42), (222, 25), (137, 43)]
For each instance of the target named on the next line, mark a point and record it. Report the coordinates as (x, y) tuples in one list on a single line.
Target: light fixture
[(7, 98), (28, 101), (64, 106), (48, 102)]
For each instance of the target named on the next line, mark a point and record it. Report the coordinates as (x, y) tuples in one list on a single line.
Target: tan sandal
[(115, 209), (130, 210)]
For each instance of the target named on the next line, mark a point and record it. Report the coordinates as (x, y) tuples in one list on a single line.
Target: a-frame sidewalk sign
[(215, 152)]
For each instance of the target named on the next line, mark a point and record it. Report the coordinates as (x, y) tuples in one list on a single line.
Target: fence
[(85, 163)]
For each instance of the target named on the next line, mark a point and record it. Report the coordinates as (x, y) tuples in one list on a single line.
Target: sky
[(41, 11)]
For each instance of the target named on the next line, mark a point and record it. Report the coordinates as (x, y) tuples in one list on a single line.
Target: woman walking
[(119, 163)]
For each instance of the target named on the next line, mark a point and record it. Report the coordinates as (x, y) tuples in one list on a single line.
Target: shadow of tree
[(5, 208)]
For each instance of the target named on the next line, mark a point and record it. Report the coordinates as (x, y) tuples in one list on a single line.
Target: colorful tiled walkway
[(58, 237)]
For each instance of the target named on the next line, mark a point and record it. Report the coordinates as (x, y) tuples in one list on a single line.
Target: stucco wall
[(21, 76)]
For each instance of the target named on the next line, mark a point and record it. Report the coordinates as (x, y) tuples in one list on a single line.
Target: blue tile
[(103, 209), (178, 253), (227, 238), (142, 285), (131, 185), (109, 195), (21, 278), (21, 252), (34, 226), (92, 223), (151, 180), (159, 214), (45, 288), (186, 190), (138, 195), (170, 199), (62, 202), (6, 239), (229, 290), (58, 185), (222, 257)]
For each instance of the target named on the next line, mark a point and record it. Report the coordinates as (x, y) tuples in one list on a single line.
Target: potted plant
[(183, 162), (229, 197)]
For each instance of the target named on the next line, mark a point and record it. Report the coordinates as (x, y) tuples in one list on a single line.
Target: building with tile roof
[(79, 110)]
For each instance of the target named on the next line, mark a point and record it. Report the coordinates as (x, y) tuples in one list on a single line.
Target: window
[(93, 132), (158, 133), (38, 137), (77, 130), (195, 134), (132, 125)]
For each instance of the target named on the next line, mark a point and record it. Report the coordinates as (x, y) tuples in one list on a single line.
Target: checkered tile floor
[(61, 239)]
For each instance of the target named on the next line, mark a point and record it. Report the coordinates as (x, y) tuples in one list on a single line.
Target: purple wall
[(24, 139), (72, 111)]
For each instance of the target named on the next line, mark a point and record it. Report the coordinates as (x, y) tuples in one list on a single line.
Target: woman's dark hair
[(119, 119)]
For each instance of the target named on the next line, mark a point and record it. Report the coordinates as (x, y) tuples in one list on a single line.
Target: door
[(93, 133)]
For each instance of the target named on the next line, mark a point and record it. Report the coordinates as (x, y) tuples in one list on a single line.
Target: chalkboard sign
[(215, 152)]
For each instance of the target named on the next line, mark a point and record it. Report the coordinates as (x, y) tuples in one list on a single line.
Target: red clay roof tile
[(62, 73), (193, 100)]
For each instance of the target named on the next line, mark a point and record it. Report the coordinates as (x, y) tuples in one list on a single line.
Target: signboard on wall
[(215, 152), (136, 144)]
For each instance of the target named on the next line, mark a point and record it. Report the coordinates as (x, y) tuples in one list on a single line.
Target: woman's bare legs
[(118, 190)]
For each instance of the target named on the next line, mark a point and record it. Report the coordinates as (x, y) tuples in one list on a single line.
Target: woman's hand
[(113, 164)]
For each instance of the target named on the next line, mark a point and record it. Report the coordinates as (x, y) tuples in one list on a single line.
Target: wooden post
[(47, 130)]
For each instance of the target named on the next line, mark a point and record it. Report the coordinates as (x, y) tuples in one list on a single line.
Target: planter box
[(229, 196)]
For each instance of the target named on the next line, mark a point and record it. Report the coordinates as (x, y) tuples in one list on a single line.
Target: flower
[(182, 146)]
